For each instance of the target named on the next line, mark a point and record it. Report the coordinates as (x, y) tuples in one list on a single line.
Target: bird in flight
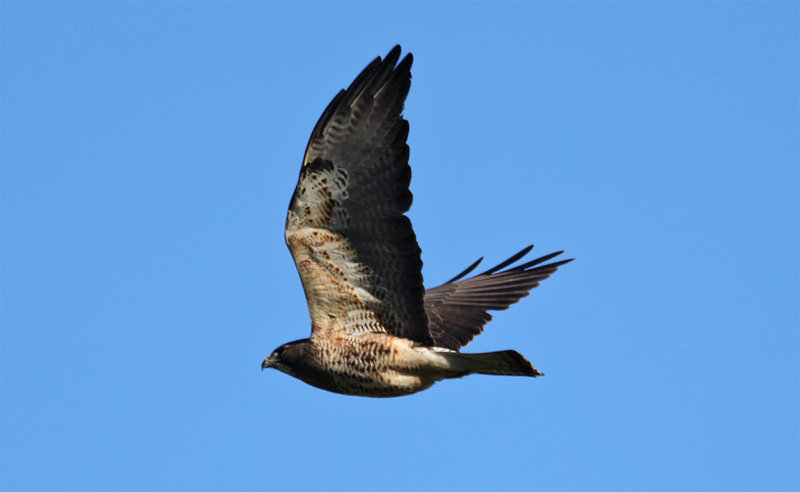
[(375, 330)]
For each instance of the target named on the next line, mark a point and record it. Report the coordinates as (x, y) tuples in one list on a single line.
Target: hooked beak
[(267, 362)]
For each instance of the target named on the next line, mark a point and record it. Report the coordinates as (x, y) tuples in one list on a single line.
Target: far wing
[(458, 309), (354, 248)]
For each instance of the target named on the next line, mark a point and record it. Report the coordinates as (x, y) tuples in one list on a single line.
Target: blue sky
[(148, 154)]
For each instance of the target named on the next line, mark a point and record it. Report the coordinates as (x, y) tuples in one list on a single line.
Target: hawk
[(375, 330)]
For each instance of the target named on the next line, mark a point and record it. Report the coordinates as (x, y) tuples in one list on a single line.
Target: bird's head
[(285, 357)]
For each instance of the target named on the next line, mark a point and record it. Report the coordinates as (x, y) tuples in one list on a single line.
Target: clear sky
[(149, 151)]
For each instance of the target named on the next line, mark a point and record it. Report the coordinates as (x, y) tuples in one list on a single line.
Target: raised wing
[(458, 309), (354, 248)]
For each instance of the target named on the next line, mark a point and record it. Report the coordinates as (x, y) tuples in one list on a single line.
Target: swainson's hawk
[(375, 330)]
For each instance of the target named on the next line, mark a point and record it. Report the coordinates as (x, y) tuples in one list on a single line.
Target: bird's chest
[(372, 366)]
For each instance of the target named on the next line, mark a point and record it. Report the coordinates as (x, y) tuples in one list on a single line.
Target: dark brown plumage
[(375, 330)]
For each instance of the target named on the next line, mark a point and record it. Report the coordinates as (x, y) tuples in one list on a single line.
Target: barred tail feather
[(505, 362)]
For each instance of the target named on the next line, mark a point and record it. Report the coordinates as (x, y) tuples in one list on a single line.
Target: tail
[(506, 363)]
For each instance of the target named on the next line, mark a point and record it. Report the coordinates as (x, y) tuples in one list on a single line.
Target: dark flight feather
[(457, 310)]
